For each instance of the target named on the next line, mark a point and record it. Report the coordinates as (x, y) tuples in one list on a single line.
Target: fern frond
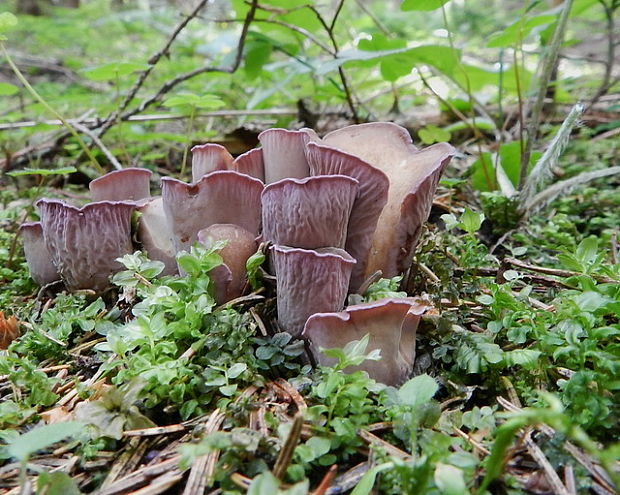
[(545, 197), (542, 170)]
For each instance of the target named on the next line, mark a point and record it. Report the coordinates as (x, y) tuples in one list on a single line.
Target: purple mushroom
[(128, 184), (413, 176), (391, 325), (309, 282), (84, 242), (207, 158), (38, 258), (230, 277), (308, 213), (219, 197)]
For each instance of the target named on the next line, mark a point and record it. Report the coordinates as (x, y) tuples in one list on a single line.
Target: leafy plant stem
[(548, 64), (190, 130), (49, 108)]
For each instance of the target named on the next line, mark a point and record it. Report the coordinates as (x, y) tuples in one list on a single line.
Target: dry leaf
[(9, 330)]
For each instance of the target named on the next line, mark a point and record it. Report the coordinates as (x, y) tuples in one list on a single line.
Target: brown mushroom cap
[(308, 282), (219, 197), (308, 213), (128, 184), (229, 283), (284, 153), (372, 197), (391, 325), (38, 258), (85, 242), (413, 175), (207, 158)]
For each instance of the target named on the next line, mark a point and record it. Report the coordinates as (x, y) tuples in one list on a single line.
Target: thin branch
[(94, 121), (168, 85), (71, 130), (110, 119), (336, 14), (304, 32), (171, 84), (554, 271), (329, 28), (85, 130)]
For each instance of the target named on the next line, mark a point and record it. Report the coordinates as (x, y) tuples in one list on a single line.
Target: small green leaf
[(57, 484), (587, 249), (264, 484), (449, 479), (471, 221), (368, 480), (7, 22), (228, 390), (417, 391), (518, 31), (40, 438), (319, 446), (422, 4), (432, 134), (7, 89), (235, 370), (113, 71), (522, 357)]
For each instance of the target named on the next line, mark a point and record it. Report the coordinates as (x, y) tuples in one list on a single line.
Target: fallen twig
[(556, 272)]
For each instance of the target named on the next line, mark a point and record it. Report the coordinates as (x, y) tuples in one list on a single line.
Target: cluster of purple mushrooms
[(334, 210)]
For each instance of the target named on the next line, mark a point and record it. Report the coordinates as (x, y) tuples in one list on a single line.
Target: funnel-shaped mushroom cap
[(413, 174), (284, 153), (391, 325), (207, 158), (219, 197), (308, 282), (251, 163), (229, 283), (372, 197), (85, 242), (38, 258), (308, 213), (155, 235), (128, 184)]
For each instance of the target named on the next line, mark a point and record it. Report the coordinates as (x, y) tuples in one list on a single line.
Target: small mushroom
[(128, 184), (38, 258), (229, 278), (413, 175), (251, 163), (284, 153), (391, 325), (155, 235), (308, 213), (207, 158), (84, 242), (309, 282), (372, 197), (223, 196)]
